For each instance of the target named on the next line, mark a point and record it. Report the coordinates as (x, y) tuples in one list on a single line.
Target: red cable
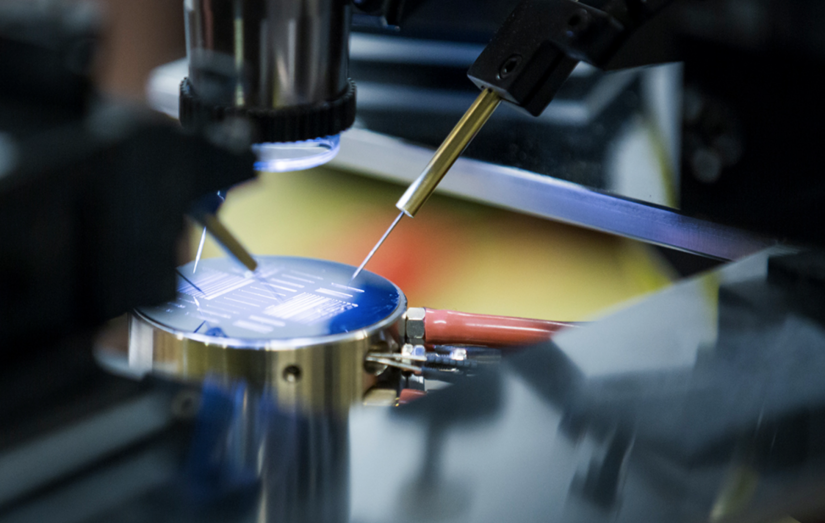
[(460, 328)]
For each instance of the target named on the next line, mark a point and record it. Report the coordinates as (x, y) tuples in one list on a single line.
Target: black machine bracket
[(542, 41)]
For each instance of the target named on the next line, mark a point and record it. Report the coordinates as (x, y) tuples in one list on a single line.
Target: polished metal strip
[(389, 158)]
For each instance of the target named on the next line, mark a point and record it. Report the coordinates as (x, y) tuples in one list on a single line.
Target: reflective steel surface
[(523, 191), (268, 53), (249, 459), (702, 403), (277, 360)]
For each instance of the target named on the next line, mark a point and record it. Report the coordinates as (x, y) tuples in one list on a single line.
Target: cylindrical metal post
[(281, 359), (268, 54), (273, 464)]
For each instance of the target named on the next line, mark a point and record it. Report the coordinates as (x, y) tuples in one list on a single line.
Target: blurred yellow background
[(454, 255)]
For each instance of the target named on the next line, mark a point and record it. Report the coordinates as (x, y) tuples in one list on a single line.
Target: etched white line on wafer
[(288, 283), (345, 287), (308, 308), (333, 293), (242, 302), (291, 277), (299, 273), (282, 288), (264, 295)]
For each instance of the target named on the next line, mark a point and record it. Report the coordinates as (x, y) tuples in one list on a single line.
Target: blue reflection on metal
[(216, 468), (249, 457), (378, 299), (216, 332)]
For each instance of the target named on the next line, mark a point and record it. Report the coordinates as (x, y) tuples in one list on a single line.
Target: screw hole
[(292, 374), (186, 404), (509, 66)]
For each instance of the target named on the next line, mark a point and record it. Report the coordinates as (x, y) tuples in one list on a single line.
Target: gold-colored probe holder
[(473, 120)]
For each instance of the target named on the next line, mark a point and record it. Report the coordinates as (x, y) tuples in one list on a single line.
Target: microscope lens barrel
[(268, 54)]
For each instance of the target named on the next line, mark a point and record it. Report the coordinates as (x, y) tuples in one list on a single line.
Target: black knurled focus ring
[(290, 124)]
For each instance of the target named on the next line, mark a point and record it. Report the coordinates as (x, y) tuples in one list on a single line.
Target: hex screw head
[(577, 23), (415, 325)]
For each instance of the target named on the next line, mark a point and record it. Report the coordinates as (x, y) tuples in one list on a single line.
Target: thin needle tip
[(200, 251), (377, 246), (190, 282)]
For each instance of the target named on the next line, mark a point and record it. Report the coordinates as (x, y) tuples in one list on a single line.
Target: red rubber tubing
[(460, 328), (410, 395)]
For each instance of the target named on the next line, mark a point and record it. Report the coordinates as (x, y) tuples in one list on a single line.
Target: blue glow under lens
[(295, 156)]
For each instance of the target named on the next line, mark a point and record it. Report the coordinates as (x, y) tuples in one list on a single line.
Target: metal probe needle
[(444, 158), (377, 245), (200, 251), (190, 282), (228, 242)]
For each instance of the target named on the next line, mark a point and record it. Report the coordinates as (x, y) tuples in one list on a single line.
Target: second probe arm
[(527, 61)]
